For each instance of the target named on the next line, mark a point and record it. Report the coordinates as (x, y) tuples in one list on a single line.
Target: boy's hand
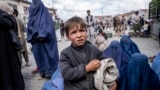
[(93, 65)]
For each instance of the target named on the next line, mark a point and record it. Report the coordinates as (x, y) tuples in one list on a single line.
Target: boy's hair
[(73, 22)]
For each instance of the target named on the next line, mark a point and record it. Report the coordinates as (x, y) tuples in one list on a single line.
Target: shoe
[(27, 64), (35, 71)]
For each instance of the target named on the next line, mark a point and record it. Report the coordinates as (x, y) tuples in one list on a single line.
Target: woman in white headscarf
[(100, 41), (10, 71)]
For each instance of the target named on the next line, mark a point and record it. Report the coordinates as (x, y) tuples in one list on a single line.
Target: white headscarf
[(5, 7)]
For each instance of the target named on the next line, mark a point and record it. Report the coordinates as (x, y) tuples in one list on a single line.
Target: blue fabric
[(40, 25), (35, 1), (138, 75), (56, 82), (128, 45), (156, 65), (115, 51)]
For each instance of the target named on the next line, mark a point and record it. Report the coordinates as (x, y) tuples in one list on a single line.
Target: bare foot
[(41, 78)]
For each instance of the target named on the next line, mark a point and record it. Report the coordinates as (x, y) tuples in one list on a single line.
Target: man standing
[(62, 29), (123, 25), (41, 34), (20, 31), (117, 25), (90, 26), (136, 22)]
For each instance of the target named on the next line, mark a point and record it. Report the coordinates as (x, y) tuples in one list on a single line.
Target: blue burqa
[(115, 52), (156, 65), (45, 51), (128, 45), (56, 82), (138, 75)]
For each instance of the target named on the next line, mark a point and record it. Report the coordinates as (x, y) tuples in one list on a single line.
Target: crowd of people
[(88, 63), (135, 23)]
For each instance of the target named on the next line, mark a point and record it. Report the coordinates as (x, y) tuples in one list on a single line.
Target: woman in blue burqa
[(41, 34), (128, 45), (56, 82), (138, 75), (156, 65), (115, 52)]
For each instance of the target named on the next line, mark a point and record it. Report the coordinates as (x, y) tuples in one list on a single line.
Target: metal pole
[(52, 3), (102, 13), (119, 7)]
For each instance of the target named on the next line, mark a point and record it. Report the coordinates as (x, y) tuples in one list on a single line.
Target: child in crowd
[(80, 60), (145, 29)]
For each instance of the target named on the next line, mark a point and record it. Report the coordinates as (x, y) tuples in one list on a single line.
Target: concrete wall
[(155, 30), (20, 8)]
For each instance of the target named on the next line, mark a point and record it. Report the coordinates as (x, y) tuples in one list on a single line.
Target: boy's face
[(77, 35)]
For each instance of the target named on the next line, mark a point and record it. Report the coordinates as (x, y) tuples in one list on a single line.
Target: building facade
[(23, 8), (154, 16)]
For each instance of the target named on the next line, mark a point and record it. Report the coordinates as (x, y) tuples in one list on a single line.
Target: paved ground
[(147, 46)]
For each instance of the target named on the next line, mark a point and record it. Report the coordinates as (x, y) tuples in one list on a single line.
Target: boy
[(145, 29), (80, 60)]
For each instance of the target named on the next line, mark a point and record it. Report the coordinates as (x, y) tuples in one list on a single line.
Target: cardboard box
[(109, 35), (135, 34)]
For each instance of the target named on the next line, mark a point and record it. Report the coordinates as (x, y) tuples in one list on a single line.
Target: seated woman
[(128, 45), (116, 52), (156, 65), (100, 41), (56, 82), (138, 75)]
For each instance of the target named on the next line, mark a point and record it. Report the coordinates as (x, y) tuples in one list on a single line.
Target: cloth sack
[(106, 75)]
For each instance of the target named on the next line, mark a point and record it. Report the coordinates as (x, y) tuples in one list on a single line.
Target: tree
[(155, 9), (156, 3)]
